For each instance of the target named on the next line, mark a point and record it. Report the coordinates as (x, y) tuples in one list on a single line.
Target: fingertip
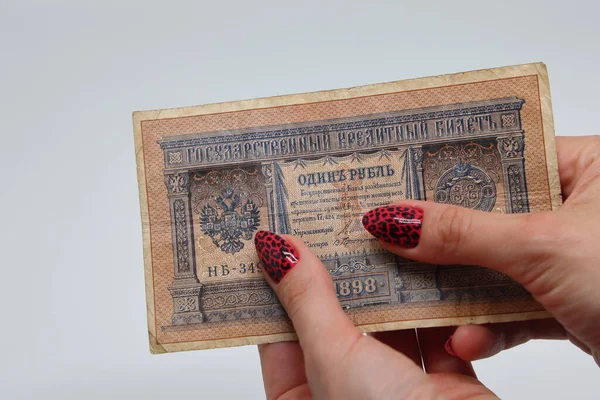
[(436, 357), (397, 225), (473, 342), (308, 261), (276, 254)]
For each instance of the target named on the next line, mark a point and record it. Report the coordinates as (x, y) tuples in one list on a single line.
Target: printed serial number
[(241, 269)]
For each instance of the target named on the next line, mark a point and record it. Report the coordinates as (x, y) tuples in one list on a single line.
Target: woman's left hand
[(333, 359)]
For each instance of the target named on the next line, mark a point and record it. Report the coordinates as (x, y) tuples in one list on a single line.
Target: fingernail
[(393, 224), (277, 256), (448, 346)]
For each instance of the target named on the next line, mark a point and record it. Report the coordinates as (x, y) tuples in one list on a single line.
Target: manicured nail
[(397, 225), (448, 346), (277, 256)]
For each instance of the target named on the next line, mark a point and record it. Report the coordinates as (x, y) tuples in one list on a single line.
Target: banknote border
[(464, 78)]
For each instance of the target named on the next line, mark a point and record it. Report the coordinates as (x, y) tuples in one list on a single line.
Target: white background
[(72, 303)]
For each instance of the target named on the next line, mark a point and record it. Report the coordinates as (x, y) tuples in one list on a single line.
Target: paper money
[(311, 165)]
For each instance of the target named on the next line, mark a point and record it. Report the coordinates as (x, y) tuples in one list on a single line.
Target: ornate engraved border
[(221, 301), (537, 70)]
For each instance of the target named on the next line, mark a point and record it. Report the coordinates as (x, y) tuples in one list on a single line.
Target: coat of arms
[(228, 227)]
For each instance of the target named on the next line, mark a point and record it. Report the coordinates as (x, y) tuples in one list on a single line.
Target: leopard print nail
[(393, 224), (277, 256)]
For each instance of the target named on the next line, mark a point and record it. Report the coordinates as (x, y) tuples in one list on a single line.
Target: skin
[(551, 254)]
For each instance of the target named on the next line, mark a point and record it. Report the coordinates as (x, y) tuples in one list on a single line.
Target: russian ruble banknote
[(311, 165)]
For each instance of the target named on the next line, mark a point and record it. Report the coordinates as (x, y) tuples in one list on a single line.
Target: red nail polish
[(448, 346), (277, 256), (393, 224)]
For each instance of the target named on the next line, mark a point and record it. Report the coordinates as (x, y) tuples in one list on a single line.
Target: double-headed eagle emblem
[(228, 227)]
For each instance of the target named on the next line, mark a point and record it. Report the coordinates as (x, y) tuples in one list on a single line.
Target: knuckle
[(453, 226), (595, 139), (547, 235), (423, 388), (348, 351), (593, 170), (293, 295), (546, 238)]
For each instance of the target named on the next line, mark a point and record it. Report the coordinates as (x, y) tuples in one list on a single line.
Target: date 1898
[(361, 286)]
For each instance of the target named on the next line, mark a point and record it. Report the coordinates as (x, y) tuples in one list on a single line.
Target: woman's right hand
[(554, 255)]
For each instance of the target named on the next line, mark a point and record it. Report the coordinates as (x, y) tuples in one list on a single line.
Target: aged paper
[(311, 165)]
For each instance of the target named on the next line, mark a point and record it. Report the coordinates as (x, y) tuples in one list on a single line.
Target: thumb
[(307, 295), (522, 246), (339, 359)]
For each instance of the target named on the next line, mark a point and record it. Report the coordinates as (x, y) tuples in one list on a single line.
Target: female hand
[(554, 255), (333, 360)]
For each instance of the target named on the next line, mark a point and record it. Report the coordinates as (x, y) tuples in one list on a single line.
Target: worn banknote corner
[(311, 165)]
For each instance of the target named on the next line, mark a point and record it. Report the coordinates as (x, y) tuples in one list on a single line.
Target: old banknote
[(311, 165)]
